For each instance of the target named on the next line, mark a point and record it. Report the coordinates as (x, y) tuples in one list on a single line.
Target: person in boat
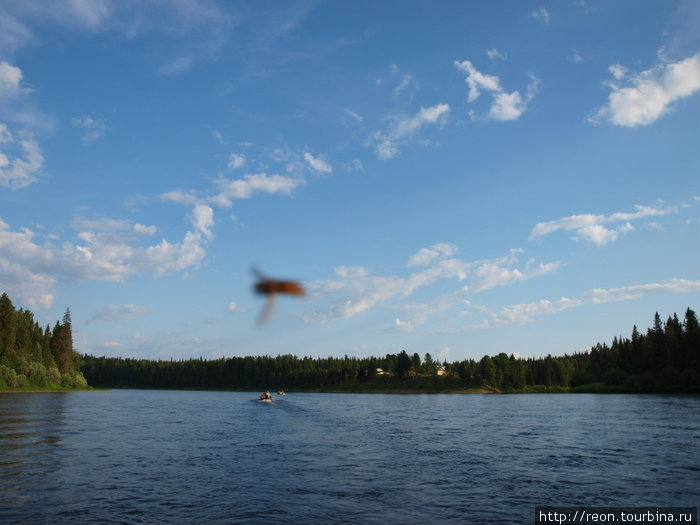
[(266, 395)]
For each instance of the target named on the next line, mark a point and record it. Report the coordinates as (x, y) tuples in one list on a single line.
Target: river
[(184, 457)]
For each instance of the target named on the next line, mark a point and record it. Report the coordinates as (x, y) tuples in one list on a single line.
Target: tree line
[(664, 359), (34, 357)]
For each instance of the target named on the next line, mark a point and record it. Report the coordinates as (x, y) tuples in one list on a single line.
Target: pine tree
[(7, 330)]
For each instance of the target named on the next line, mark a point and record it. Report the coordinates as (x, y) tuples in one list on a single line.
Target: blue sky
[(458, 178)]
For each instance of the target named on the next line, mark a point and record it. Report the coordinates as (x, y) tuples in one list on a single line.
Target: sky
[(453, 178)]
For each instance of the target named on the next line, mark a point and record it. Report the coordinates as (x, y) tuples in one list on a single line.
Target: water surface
[(161, 457)]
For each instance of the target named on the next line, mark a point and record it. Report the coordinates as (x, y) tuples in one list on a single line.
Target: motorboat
[(266, 396)]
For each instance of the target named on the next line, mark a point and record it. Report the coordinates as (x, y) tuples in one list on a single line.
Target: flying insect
[(270, 288)]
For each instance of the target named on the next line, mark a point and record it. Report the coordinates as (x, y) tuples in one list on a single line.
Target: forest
[(32, 357), (664, 359)]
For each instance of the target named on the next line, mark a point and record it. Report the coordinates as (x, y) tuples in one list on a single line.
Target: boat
[(266, 396), (281, 393)]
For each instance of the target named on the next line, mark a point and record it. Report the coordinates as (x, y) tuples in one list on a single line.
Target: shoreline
[(49, 390), (593, 388)]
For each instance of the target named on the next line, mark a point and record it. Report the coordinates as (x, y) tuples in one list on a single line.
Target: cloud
[(640, 99), (203, 26), (386, 144), (354, 115), (30, 287), (111, 230), (318, 164), (16, 18), (505, 106), (354, 290), (541, 14), (14, 34), (591, 228), (427, 255), (526, 312), (235, 307), (118, 313), (176, 66), (576, 57), (106, 250), (188, 197), (257, 183), (236, 161), (494, 54), (21, 159), (202, 217), (10, 78), (93, 128), (407, 83)]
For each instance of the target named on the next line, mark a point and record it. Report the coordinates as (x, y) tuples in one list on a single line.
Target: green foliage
[(31, 357), (665, 359)]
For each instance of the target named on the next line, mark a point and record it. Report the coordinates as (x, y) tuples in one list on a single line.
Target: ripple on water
[(216, 457)]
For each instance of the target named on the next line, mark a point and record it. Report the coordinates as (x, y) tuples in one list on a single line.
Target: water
[(162, 457)]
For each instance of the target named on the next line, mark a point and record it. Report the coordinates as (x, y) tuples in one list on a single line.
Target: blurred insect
[(270, 288)]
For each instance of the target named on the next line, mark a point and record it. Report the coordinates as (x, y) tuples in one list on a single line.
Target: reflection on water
[(30, 431), (223, 457)]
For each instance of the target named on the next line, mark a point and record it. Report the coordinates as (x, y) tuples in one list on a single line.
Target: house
[(441, 371)]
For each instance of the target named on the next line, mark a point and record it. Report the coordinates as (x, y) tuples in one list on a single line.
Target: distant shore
[(46, 390), (591, 388)]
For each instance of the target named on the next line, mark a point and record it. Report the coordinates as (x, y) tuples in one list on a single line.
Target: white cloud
[(403, 326), (541, 14), (21, 160), (176, 66), (118, 313), (236, 161), (500, 272), (111, 230), (407, 83), (591, 228), (618, 71), (202, 217), (106, 250), (10, 78), (257, 183), (431, 115), (427, 255), (576, 57), (525, 312), (627, 293), (318, 163), (640, 99), (181, 197), (386, 144), (505, 106), (596, 234), (354, 290), (354, 115), (494, 54), (93, 128)]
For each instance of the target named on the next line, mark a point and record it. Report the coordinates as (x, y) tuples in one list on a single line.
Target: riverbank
[(44, 390)]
